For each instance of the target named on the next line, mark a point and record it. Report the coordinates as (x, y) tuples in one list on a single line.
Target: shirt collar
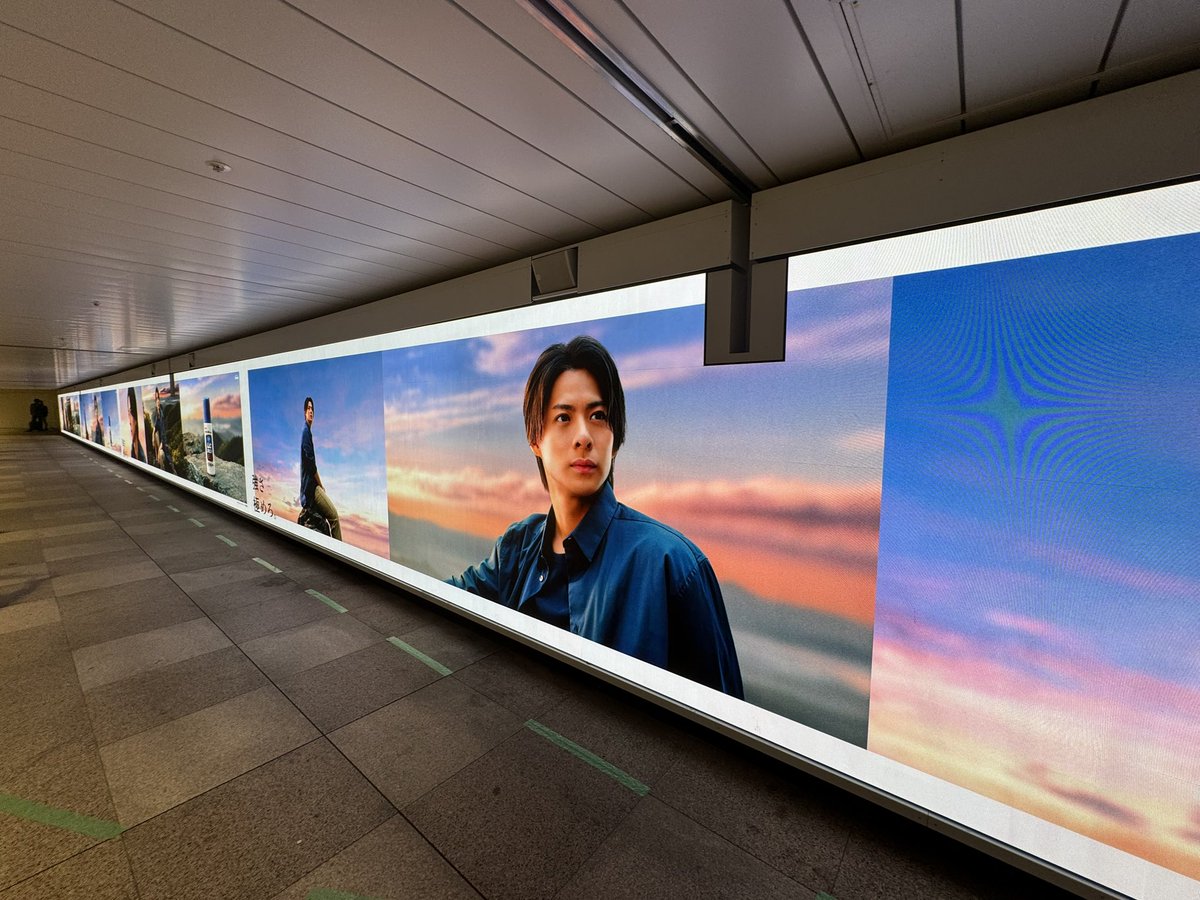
[(587, 534)]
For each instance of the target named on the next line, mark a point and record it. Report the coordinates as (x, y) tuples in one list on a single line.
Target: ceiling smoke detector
[(217, 166)]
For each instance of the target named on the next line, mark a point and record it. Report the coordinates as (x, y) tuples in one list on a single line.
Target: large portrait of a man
[(591, 564)]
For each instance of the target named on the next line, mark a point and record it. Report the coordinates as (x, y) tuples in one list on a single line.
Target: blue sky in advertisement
[(1039, 572), (347, 437)]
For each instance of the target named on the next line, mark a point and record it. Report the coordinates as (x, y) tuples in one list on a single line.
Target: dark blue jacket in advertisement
[(308, 467), (634, 584)]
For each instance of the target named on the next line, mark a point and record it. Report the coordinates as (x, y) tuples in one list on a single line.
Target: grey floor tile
[(97, 562), (25, 571), (15, 591), (92, 602), (220, 597), (393, 861), (18, 553), (259, 833), (890, 858), (30, 847), (452, 644), (518, 682), (625, 733), (21, 616), (293, 650), (520, 821), (225, 574), (251, 620), (410, 746), (177, 524), (65, 585), (176, 560), (126, 617), (349, 687), (169, 692), (154, 770), (105, 525), (65, 774), (101, 873), (397, 615), (114, 660), (660, 853), (789, 820), (88, 548)]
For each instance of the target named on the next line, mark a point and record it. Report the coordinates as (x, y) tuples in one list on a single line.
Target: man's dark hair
[(308, 402), (584, 353)]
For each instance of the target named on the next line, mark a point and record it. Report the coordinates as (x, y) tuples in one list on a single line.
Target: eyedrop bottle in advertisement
[(210, 461)]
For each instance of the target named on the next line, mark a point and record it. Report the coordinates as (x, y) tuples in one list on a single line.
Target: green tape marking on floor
[(196, 522), (824, 896), (221, 537), (589, 757), (331, 603), (172, 508), (413, 651), (266, 565), (59, 818), (330, 894)]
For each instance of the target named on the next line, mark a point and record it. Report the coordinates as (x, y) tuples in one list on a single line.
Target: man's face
[(576, 445), (308, 414)]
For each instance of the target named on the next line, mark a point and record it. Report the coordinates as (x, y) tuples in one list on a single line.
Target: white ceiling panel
[(378, 147), (633, 41), (1028, 48), (758, 71), (528, 37), (535, 108), (169, 228), (128, 40), (1153, 28), (909, 56), (302, 52)]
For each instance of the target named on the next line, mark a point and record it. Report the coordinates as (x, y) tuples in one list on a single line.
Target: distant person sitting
[(312, 490)]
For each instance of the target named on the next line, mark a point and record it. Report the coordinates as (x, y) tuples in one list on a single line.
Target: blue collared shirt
[(634, 584)]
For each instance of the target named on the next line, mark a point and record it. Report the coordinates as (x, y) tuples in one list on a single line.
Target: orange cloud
[(227, 406), (1085, 744)]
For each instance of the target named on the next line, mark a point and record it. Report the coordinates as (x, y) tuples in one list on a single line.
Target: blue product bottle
[(210, 460)]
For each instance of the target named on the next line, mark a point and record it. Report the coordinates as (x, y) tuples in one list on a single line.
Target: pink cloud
[(856, 337), (1114, 571), (659, 366), (834, 521), (227, 406), (506, 354), (365, 534), (1089, 745), (506, 494)]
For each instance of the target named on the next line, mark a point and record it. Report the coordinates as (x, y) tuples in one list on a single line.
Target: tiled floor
[(177, 720)]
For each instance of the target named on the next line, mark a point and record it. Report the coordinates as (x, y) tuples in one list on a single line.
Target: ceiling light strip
[(578, 35)]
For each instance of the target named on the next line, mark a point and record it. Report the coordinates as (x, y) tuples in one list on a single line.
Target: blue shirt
[(308, 468), (633, 584)]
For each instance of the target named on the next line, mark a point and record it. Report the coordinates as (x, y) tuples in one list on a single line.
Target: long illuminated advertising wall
[(949, 548)]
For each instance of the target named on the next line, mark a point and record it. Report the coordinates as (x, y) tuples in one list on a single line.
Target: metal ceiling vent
[(570, 27), (554, 275)]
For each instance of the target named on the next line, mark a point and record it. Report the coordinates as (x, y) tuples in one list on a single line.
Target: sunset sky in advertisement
[(774, 470), (1037, 608), (347, 437)]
